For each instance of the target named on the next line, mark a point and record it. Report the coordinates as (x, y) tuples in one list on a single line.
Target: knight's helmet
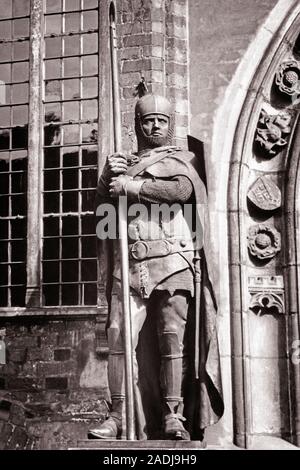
[(148, 105)]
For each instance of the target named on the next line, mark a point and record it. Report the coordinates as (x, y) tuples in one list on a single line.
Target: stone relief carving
[(287, 78), (266, 294), (272, 131), (264, 194), (264, 241), (100, 337), (266, 303)]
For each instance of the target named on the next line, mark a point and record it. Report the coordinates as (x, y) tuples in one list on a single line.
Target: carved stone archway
[(292, 220), (264, 245)]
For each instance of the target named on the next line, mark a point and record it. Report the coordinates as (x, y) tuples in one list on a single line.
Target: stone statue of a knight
[(173, 399)]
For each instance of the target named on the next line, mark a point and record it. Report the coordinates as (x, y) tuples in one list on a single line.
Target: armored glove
[(125, 185), (116, 164)]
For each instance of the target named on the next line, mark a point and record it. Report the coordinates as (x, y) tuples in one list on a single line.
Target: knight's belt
[(142, 249)]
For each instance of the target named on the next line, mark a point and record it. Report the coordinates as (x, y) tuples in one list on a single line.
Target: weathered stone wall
[(220, 32), (53, 369), (14, 431)]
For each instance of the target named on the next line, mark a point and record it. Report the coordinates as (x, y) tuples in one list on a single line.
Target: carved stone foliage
[(272, 131), (287, 78), (264, 194), (266, 294), (264, 241)]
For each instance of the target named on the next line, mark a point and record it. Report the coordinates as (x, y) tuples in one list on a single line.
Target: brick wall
[(53, 369), (14, 431), (153, 44)]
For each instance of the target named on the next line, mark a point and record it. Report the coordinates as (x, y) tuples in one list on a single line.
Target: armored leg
[(172, 316), (114, 426)]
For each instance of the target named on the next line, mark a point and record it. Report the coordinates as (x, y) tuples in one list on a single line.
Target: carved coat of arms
[(272, 132), (265, 194)]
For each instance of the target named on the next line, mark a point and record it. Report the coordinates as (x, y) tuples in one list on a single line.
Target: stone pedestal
[(103, 444)]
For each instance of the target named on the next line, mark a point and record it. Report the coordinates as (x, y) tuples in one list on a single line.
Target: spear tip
[(112, 12)]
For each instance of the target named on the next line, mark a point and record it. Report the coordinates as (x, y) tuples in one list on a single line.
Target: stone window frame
[(14, 109), (33, 301)]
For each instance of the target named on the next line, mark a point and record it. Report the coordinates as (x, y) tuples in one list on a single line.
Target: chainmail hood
[(152, 104)]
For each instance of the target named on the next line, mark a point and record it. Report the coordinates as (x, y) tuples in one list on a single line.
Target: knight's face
[(155, 125)]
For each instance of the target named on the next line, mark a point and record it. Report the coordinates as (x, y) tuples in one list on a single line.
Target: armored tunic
[(149, 231)]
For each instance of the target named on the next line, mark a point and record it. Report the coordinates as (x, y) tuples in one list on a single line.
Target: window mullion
[(34, 154)]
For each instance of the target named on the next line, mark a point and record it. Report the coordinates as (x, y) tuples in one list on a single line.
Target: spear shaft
[(123, 237)]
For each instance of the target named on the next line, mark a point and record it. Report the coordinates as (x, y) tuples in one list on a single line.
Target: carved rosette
[(287, 78), (272, 131), (264, 241)]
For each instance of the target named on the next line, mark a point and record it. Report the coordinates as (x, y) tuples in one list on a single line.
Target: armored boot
[(111, 428), (171, 378), (173, 422)]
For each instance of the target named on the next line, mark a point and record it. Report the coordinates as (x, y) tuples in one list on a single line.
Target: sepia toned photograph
[(149, 228)]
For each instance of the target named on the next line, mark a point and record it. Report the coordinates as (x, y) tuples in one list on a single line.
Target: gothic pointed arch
[(264, 244)]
